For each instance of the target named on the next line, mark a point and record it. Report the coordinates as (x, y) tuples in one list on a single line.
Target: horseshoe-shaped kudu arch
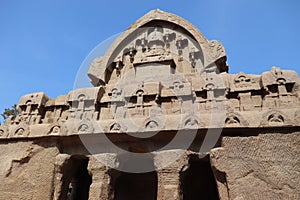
[(163, 120)]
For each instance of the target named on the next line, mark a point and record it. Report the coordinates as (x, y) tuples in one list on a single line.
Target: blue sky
[(43, 43)]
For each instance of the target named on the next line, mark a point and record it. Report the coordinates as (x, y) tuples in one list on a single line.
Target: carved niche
[(235, 120), (152, 125), (84, 127), (191, 122), (54, 130), (275, 118), (20, 131), (115, 127), (3, 132)]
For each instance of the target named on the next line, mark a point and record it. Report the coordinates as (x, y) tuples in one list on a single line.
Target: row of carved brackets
[(272, 118)]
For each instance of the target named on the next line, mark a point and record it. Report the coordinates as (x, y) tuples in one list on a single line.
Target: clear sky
[(43, 43)]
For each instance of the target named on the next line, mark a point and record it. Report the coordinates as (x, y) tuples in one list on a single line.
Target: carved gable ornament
[(159, 37)]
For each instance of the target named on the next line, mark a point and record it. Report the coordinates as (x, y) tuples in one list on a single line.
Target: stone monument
[(163, 120)]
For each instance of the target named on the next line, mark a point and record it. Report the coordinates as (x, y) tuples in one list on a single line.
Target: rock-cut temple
[(163, 119)]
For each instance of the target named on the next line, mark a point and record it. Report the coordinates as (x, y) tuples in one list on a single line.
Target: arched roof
[(213, 50)]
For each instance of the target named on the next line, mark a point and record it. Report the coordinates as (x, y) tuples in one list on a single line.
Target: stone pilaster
[(169, 176), (100, 187)]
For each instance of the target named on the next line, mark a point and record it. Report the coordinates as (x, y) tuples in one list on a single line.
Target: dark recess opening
[(136, 186), (77, 180), (198, 181)]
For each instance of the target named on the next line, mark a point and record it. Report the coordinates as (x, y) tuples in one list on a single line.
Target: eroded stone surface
[(26, 170), (258, 167)]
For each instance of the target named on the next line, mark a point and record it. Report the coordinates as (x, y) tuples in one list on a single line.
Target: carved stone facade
[(161, 78)]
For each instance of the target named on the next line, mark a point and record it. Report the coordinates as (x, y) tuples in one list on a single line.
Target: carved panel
[(19, 131), (54, 129), (84, 127), (275, 118), (191, 122), (235, 120), (151, 125), (115, 127)]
